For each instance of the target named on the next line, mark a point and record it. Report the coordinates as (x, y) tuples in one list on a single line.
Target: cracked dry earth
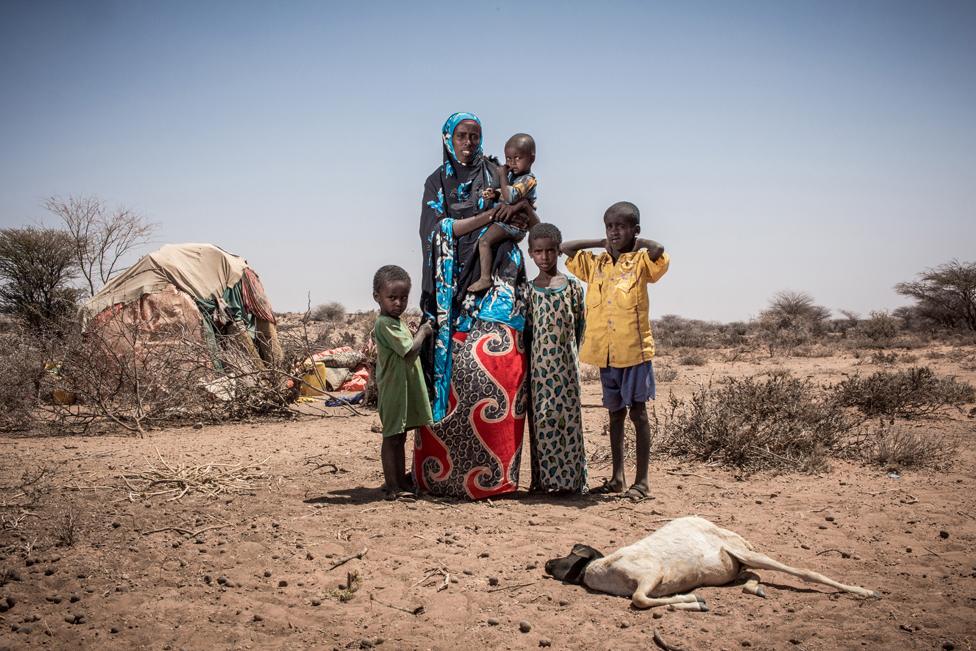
[(252, 567)]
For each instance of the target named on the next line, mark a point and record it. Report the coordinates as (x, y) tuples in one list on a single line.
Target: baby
[(517, 183)]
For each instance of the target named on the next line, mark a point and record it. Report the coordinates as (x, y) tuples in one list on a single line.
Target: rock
[(258, 618), (657, 614), (282, 584), (309, 557), (113, 630), (25, 629), (7, 603), (267, 573), (908, 549), (492, 580), (545, 642), (943, 535), (197, 425), (49, 571), (74, 598), (316, 602), (54, 599), (491, 621), (804, 546), (467, 572), (829, 518), (563, 602), (223, 580), (14, 575), (948, 646), (524, 626), (207, 579), (746, 643), (623, 625), (116, 525), (483, 555), (531, 565)]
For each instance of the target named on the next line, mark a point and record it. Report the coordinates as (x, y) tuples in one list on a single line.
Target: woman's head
[(391, 290), (544, 243), (462, 137)]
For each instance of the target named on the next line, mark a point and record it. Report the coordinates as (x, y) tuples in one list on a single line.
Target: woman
[(476, 362)]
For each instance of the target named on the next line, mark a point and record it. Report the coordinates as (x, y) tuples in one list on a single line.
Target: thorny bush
[(909, 393), (776, 423)]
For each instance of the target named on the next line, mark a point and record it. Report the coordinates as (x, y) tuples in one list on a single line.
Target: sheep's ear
[(586, 551)]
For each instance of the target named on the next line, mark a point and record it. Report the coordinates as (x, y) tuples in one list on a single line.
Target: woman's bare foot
[(480, 285)]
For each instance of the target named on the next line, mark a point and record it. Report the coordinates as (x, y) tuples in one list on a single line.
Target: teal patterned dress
[(555, 327)]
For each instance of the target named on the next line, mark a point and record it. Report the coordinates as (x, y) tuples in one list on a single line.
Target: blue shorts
[(622, 387)]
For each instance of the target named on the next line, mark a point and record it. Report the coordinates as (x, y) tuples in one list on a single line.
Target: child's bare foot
[(480, 285)]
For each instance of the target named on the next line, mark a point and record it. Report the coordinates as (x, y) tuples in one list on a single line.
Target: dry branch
[(346, 559)]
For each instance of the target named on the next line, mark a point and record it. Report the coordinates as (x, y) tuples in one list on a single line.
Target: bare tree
[(36, 266), (102, 236)]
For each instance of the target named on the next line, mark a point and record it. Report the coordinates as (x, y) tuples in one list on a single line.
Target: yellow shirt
[(618, 326)]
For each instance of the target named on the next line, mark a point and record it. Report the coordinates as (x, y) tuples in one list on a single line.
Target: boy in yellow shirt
[(618, 332)]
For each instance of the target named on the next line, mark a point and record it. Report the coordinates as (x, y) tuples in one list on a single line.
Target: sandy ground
[(263, 579)]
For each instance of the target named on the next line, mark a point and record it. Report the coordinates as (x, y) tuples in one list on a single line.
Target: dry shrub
[(135, 379), (880, 329), (891, 446), (665, 373), (881, 358), (66, 526), (692, 359), (21, 375), (589, 373), (910, 393), (774, 423), (333, 311)]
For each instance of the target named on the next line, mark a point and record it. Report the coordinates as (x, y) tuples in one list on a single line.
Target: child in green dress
[(402, 401)]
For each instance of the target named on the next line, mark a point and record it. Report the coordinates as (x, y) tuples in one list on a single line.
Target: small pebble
[(316, 602), (804, 546), (491, 621), (113, 630), (74, 598), (116, 525), (524, 626), (267, 573), (657, 615), (309, 557), (746, 643), (943, 535), (624, 625), (948, 646), (545, 642), (829, 518), (492, 580), (467, 572), (563, 602), (483, 555), (197, 425), (258, 618), (282, 584)]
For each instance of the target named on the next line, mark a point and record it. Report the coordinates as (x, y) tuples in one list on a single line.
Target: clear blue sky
[(828, 147)]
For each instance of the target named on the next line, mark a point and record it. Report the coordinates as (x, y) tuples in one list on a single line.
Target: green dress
[(402, 400), (556, 433)]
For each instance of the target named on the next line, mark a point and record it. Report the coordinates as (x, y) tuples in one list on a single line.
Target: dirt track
[(911, 538)]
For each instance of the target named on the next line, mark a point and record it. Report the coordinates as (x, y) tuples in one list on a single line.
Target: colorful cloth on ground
[(555, 327), (475, 450), (618, 325), (402, 399)]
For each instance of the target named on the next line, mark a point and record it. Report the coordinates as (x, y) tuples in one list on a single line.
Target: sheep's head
[(571, 568)]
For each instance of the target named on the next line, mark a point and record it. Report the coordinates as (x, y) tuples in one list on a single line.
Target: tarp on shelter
[(202, 270)]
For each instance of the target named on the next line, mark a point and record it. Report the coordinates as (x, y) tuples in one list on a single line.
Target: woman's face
[(466, 140)]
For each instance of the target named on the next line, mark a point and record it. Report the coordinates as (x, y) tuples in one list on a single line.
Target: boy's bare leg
[(388, 454), (618, 481), (492, 236), (642, 426), (401, 464)]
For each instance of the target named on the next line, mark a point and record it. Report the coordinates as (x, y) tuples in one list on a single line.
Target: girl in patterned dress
[(554, 329)]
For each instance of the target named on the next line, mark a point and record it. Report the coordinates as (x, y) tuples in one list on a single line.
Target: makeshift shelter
[(199, 290)]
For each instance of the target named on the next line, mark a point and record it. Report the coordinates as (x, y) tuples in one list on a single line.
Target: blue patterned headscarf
[(447, 133)]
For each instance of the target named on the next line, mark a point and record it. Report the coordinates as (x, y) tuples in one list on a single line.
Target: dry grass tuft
[(892, 446)]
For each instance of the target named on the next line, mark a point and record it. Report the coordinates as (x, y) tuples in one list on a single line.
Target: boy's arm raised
[(654, 250), (570, 248)]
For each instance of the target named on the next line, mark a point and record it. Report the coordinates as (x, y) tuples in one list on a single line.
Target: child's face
[(392, 297), (518, 160), (544, 252), (621, 231)]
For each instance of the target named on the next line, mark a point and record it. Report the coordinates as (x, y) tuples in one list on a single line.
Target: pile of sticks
[(176, 480)]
